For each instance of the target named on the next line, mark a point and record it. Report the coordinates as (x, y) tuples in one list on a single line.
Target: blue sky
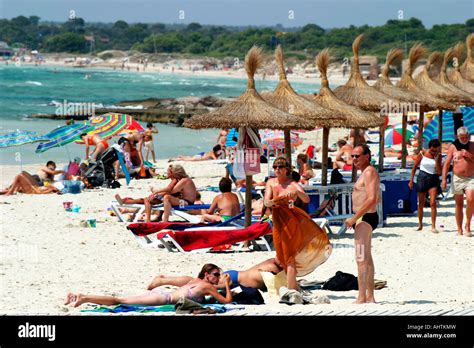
[(326, 13)]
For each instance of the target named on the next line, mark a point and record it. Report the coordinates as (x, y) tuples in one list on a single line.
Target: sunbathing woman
[(300, 244), (25, 183), (251, 278), (195, 289), (94, 140), (214, 154)]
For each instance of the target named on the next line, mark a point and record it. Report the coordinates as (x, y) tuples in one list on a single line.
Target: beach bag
[(248, 296), (252, 161), (71, 186), (341, 282), (96, 178)]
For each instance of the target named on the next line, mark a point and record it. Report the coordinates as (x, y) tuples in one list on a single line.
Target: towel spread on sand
[(298, 238), (122, 308)]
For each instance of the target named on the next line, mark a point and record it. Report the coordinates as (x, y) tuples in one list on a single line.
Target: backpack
[(341, 282), (71, 186)]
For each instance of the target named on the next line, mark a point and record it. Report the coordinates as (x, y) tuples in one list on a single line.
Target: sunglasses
[(216, 274), (355, 156), (279, 167)]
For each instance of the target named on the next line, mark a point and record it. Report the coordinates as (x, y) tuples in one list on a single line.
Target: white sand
[(45, 254)]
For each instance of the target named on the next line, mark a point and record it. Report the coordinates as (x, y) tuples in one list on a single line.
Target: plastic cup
[(67, 206), (92, 223), (76, 208)]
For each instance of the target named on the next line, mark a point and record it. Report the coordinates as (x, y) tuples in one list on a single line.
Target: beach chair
[(203, 239)]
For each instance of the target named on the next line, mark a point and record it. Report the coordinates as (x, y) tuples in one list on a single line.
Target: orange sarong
[(298, 238)]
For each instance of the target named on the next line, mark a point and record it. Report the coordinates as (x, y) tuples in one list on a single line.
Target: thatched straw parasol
[(356, 91), (285, 98), (425, 82), (442, 78), (467, 69), (407, 83), (454, 75), (249, 110), (356, 118)]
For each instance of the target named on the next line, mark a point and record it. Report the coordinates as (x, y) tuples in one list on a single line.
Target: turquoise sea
[(26, 90)]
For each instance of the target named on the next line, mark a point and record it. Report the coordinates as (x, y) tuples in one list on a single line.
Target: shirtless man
[(343, 156), (365, 197), (250, 278), (227, 204), (148, 140), (47, 173), (463, 178)]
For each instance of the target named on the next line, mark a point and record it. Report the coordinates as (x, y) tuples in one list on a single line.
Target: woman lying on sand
[(195, 289), (214, 154), (25, 183)]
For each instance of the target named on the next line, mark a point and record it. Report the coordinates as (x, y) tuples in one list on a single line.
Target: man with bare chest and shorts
[(463, 178), (365, 197)]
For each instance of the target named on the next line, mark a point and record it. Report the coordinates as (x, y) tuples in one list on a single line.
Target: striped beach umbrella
[(468, 118), (393, 135), (108, 125), (431, 130), (17, 138), (273, 140), (63, 135)]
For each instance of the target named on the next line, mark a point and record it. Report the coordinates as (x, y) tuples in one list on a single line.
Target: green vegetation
[(75, 36)]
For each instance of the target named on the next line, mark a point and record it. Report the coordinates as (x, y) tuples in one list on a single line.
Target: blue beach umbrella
[(18, 138), (63, 135), (431, 130), (468, 118)]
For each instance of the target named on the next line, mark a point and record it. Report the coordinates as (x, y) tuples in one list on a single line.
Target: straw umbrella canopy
[(285, 98), (467, 68), (249, 110), (425, 82), (407, 83), (442, 78), (358, 93), (356, 118), (455, 76)]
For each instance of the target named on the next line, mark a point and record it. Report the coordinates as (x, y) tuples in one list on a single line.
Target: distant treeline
[(77, 36)]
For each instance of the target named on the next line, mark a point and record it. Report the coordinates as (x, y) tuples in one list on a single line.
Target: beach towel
[(124, 308), (192, 240), (298, 238), (145, 228)]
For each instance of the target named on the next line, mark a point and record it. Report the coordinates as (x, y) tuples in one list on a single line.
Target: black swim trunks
[(371, 218)]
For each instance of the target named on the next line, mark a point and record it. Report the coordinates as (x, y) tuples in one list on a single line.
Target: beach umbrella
[(274, 140), (394, 135), (63, 135), (468, 118), (455, 76), (425, 82), (132, 128), (358, 93), (108, 125), (249, 111), (431, 130), (467, 68), (285, 98), (442, 78), (18, 138), (407, 83), (355, 117), (410, 101)]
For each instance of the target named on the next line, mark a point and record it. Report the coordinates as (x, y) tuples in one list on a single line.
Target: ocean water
[(26, 90)]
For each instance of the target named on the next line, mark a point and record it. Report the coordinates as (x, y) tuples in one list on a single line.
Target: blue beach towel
[(123, 308)]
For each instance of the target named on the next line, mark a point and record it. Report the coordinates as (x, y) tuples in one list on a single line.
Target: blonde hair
[(178, 171)]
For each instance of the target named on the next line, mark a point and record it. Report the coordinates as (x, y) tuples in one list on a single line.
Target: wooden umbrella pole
[(404, 140), (440, 125), (356, 141), (248, 200), (381, 147), (324, 161), (420, 130), (287, 135)]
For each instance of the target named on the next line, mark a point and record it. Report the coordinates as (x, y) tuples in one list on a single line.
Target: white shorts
[(462, 184), (149, 145)]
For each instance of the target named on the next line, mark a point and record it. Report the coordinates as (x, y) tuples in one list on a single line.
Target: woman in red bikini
[(94, 140), (196, 289)]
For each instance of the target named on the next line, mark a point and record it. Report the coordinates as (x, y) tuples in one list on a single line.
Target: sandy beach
[(45, 254)]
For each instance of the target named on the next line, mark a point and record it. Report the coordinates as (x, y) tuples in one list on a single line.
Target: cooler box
[(395, 194)]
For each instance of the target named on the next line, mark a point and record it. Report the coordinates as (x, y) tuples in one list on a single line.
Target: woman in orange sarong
[(300, 244)]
